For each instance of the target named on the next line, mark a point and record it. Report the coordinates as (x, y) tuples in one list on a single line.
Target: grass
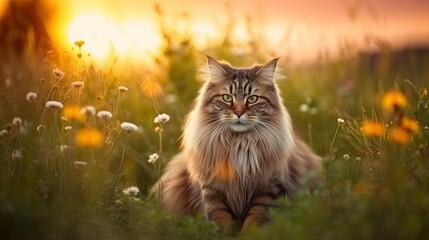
[(63, 175)]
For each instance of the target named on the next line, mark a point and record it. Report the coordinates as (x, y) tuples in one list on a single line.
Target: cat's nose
[(238, 113)]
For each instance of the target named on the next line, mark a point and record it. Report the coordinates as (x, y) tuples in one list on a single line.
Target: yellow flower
[(400, 135), (393, 100), (73, 113), (409, 124), (89, 137), (372, 128), (363, 188)]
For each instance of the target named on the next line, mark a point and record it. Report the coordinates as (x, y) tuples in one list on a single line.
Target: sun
[(132, 38)]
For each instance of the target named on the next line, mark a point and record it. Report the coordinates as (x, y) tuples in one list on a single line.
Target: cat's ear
[(267, 71), (216, 70)]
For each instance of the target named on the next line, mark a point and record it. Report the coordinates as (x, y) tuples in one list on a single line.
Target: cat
[(239, 152)]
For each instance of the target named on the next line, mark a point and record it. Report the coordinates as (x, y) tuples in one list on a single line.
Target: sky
[(297, 28)]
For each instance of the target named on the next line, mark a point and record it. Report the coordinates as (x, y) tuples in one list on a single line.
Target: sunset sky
[(297, 28)]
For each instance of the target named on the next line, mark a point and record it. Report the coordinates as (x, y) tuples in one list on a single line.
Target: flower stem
[(333, 140), (115, 179)]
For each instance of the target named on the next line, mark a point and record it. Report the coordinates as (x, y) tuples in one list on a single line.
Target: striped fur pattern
[(239, 152)]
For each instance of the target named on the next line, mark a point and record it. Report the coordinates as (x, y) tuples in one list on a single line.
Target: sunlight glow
[(133, 38)]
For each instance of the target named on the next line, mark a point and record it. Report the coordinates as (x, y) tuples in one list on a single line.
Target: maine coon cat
[(239, 152)]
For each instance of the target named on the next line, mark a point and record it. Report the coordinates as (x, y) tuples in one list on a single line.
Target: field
[(70, 175)]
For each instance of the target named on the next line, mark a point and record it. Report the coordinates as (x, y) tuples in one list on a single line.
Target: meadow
[(82, 142)]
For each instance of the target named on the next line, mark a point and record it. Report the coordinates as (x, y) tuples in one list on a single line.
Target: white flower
[(346, 156), (131, 191), (79, 164), (161, 118), (54, 105), (104, 114), (17, 121), (88, 110), (122, 89), (340, 120), (3, 132), (64, 148), (58, 73), (78, 84), (68, 128), (31, 96), (303, 107), (40, 128), (129, 127), (153, 158), (16, 154)]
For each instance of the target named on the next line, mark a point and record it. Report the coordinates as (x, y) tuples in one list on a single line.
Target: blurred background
[(301, 30)]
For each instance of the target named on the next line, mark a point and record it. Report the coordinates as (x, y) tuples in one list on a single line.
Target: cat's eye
[(252, 99), (227, 97)]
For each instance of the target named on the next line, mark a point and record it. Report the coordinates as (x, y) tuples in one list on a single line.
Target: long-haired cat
[(239, 152)]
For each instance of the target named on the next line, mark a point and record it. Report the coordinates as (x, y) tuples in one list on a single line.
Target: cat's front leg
[(258, 213), (215, 208)]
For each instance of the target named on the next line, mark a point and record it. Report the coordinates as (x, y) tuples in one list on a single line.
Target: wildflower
[(72, 113), (372, 128), (31, 96), (78, 84), (79, 43), (3, 132), (153, 158), (16, 154), (161, 118), (346, 156), (131, 191), (64, 119), (40, 128), (400, 135), (409, 124), (17, 121), (79, 164), (64, 148), (158, 129), (89, 137), (58, 73), (129, 127), (68, 128), (393, 100), (53, 105), (340, 120), (104, 114), (426, 128), (122, 89), (304, 107), (88, 110)]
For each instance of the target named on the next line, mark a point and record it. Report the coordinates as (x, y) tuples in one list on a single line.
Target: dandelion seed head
[(103, 114), (340, 121), (68, 128), (31, 96), (346, 156), (54, 105), (123, 89), (16, 121), (78, 84), (88, 110), (304, 107), (129, 127), (162, 118), (131, 191), (58, 73)]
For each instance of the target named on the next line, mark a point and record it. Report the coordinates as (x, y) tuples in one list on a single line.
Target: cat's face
[(241, 99)]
